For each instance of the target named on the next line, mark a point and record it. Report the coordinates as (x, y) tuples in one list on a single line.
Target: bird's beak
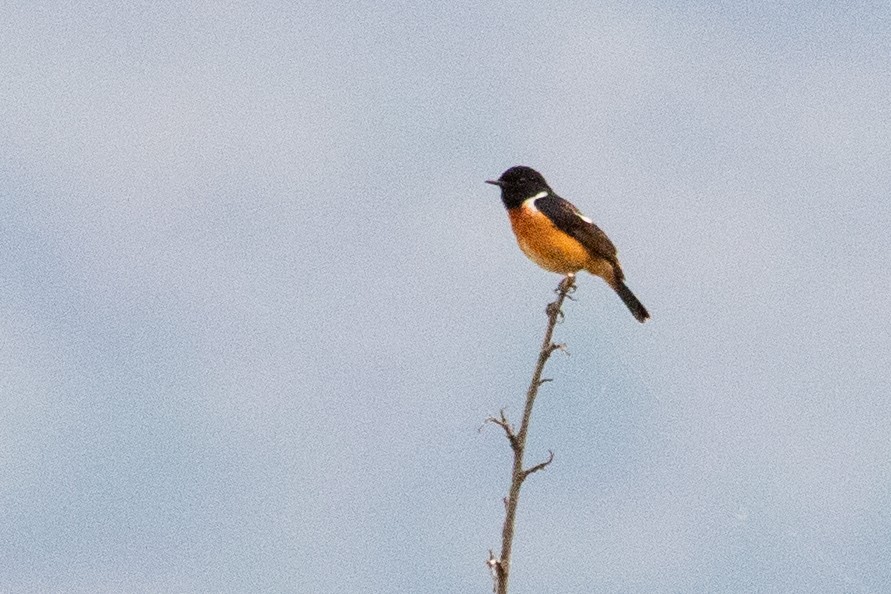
[(495, 182)]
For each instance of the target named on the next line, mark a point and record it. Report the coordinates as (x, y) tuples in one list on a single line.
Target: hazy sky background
[(255, 299)]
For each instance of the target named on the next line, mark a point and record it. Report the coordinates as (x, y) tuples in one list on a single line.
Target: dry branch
[(500, 566)]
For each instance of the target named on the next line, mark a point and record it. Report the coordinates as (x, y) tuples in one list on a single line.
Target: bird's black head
[(519, 183)]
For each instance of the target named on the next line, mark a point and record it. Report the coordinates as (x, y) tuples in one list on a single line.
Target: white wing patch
[(584, 218)]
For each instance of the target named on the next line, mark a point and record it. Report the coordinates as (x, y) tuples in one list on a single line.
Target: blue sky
[(256, 299)]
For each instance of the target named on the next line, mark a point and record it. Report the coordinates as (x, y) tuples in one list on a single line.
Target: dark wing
[(568, 219)]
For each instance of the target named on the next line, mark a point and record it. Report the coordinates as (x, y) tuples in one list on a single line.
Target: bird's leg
[(567, 285), (564, 289)]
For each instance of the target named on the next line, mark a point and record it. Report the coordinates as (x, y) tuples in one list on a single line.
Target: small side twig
[(500, 566), (504, 424), (539, 466)]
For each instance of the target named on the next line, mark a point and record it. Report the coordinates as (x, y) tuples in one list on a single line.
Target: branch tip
[(567, 285)]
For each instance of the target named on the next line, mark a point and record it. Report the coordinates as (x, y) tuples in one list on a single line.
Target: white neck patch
[(530, 202)]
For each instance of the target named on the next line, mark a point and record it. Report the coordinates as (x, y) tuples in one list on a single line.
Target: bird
[(554, 234)]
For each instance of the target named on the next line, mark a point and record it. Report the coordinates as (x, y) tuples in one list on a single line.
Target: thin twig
[(540, 465), (508, 428), (492, 563), (500, 566)]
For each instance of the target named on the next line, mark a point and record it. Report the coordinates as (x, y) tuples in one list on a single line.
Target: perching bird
[(556, 236)]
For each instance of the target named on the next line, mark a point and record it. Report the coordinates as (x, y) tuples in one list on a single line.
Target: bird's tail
[(633, 303)]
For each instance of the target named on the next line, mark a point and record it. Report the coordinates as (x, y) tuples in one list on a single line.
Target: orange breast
[(544, 244)]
